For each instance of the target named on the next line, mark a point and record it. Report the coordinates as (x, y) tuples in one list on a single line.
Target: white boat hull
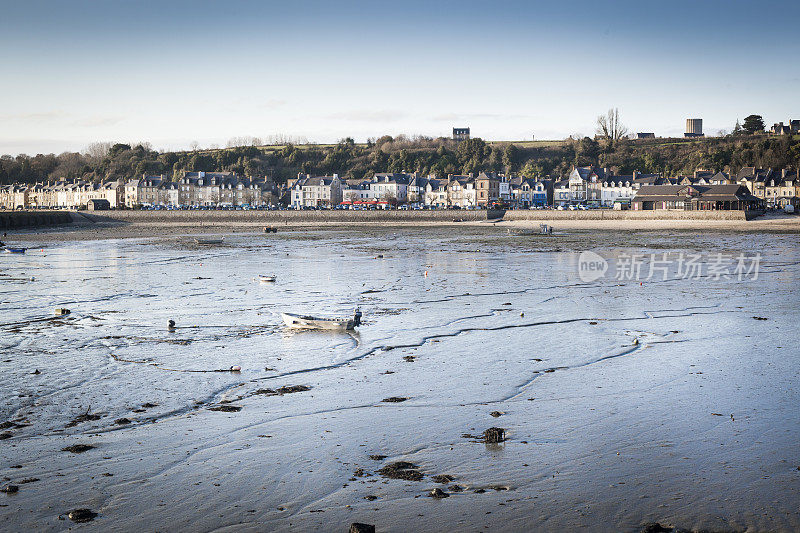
[(309, 322)]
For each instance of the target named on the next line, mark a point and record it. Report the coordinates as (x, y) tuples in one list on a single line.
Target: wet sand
[(83, 229), (621, 404)]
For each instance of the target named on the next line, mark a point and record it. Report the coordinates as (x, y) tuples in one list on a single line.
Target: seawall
[(603, 214), (28, 219), (279, 218), (10, 220)]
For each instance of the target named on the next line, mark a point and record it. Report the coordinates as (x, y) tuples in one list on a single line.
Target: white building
[(436, 193), (391, 187), (318, 191)]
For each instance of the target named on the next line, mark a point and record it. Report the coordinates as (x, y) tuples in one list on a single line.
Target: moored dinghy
[(266, 278), (15, 250), (295, 321)]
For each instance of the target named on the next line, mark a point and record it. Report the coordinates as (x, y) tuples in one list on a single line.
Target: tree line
[(441, 156)]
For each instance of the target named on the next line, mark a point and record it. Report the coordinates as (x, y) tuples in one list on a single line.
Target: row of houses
[(391, 189), (595, 187), (585, 186), (588, 186), (193, 189)]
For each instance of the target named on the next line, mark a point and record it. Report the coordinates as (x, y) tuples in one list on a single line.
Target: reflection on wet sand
[(485, 378)]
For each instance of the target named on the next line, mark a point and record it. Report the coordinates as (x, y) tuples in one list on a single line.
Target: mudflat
[(488, 387)]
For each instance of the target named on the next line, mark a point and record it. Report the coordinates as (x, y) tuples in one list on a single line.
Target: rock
[(85, 417), (370, 497), (593, 323), (149, 405), (479, 491), (455, 488), (394, 399), (226, 408), (29, 480), (78, 448), (356, 527), (6, 435), (494, 435), (382, 457), (401, 470), (10, 489), (82, 515), (759, 318), (438, 494), (443, 478), (122, 421), (495, 414), (289, 389), (409, 358), (655, 527), (36, 372)]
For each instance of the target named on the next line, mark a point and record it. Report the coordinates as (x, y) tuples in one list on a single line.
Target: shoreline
[(84, 228)]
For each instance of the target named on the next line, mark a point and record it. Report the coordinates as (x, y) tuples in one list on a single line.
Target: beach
[(133, 224), (623, 401)]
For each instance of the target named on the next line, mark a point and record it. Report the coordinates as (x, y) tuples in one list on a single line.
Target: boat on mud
[(15, 250), (296, 321), (544, 229), (208, 241)]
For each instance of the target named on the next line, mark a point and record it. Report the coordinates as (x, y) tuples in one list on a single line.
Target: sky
[(173, 73)]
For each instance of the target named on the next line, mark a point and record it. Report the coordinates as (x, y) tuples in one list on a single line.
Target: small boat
[(208, 241), (312, 322), (544, 229), (266, 279), (15, 250)]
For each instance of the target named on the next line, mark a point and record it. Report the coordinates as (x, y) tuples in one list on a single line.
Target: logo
[(591, 266)]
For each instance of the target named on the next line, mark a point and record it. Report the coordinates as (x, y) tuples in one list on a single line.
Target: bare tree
[(610, 128), (98, 150)]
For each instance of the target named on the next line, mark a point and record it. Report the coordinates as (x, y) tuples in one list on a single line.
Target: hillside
[(440, 156)]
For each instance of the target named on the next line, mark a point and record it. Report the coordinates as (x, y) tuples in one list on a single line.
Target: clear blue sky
[(170, 73)]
